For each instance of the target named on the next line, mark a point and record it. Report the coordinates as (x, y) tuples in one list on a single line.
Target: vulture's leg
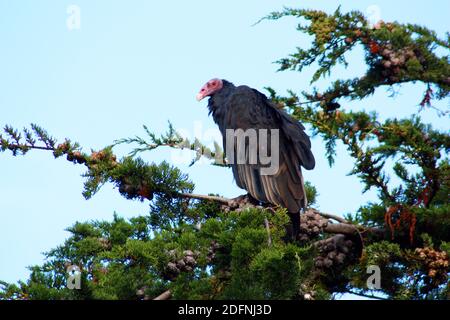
[(295, 220), (253, 201)]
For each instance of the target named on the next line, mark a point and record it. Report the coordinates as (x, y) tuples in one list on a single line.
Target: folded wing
[(249, 109)]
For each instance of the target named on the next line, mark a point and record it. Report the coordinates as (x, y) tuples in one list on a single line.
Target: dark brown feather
[(246, 108)]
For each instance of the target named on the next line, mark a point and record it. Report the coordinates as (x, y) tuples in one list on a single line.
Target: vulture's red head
[(211, 87)]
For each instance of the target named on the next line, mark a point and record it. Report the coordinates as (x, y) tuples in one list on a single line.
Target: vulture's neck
[(217, 102)]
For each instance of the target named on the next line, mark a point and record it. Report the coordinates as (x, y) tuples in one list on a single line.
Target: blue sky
[(142, 62)]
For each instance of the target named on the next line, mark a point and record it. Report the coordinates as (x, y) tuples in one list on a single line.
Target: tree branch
[(344, 228), (365, 295), (331, 216), (222, 200), (166, 295), (269, 237), (243, 201), (13, 147)]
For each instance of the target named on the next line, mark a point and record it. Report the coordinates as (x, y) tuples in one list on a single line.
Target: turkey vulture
[(241, 107)]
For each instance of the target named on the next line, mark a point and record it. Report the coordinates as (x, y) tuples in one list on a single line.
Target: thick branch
[(344, 228), (351, 229)]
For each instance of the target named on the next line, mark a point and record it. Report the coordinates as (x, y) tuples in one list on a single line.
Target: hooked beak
[(200, 96)]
